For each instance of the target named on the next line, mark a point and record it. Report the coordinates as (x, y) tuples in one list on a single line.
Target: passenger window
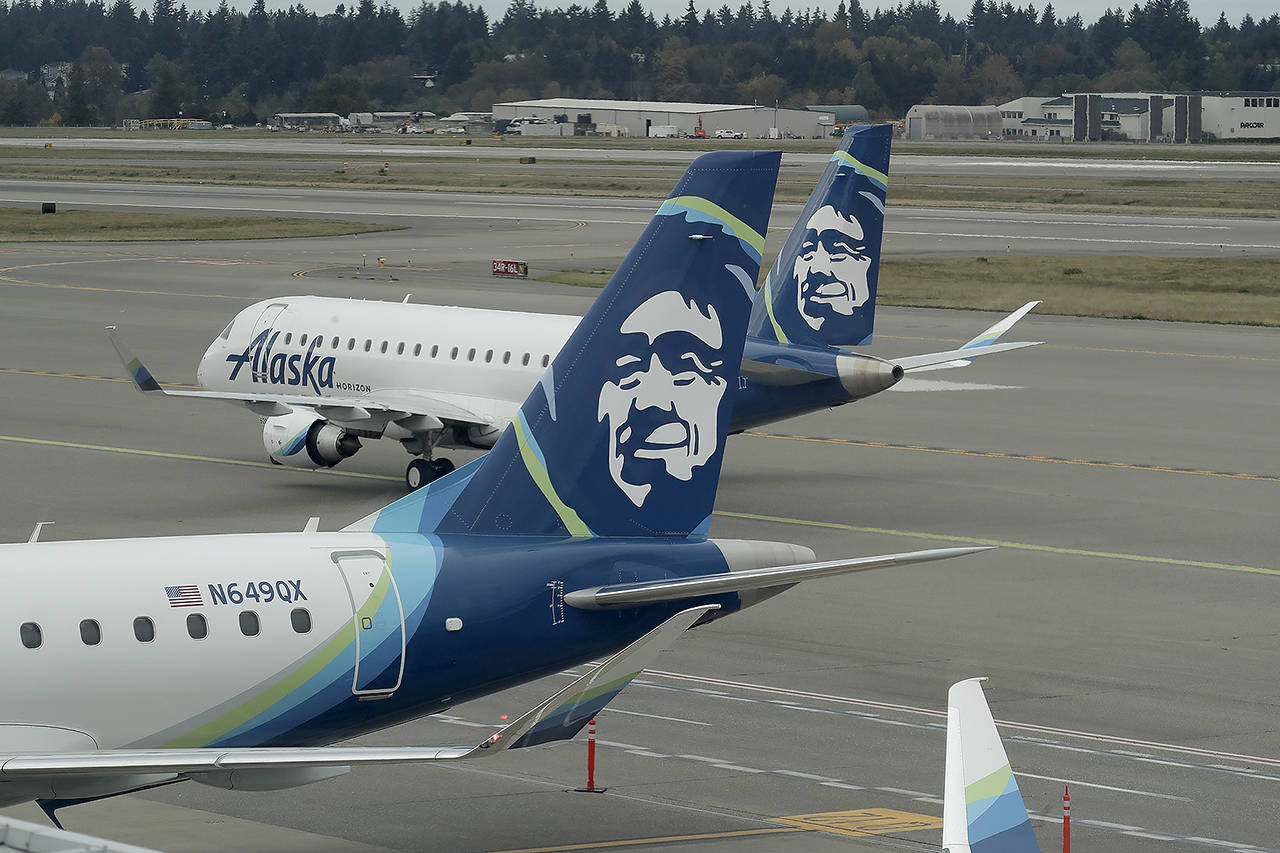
[(525, 360), (144, 629), (335, 341), (454, 353), (471, 354), (31, 635), (301, 620), (90, 632), (400, 348), (384, 346), (351, 344), (488, 356), (288, 337), (197, 627), (302, 341), (249, 624), (506, 358), (435, 349), (546, 359), (368, 344), (417, 349)]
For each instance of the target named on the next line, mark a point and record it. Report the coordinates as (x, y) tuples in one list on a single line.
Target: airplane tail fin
[(982, 808), (625, 432), (821, 290)]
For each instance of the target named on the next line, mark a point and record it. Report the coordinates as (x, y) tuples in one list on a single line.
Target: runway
[(595, 222), (1128, 620), (1006, 158)]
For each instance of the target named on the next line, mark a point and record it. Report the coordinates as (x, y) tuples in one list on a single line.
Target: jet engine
[(302, 440), (482, 436)]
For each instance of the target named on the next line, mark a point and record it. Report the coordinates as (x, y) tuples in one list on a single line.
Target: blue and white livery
[(235, 660), (327, 373)]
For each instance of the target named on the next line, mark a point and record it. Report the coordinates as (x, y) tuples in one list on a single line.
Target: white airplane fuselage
[(482, 360)]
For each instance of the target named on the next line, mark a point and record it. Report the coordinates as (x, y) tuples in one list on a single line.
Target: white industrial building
[(941, 121), (1145, 116), (649, 118)]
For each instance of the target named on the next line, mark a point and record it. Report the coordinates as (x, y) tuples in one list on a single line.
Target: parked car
[(726, 133)]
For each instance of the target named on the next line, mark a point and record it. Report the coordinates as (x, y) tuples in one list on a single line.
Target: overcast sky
[(1204, 10)]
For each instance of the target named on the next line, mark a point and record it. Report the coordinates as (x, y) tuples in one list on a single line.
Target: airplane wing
[(652, 592), (559, 718), (426, 412), (983, 344)]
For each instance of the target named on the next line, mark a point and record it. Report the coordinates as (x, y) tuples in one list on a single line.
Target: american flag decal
[(184, 596)]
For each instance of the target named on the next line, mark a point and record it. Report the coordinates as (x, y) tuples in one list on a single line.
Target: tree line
[(242, 67)]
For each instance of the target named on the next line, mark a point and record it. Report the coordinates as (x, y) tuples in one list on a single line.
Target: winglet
[(564, 714), (991, 335), (142, 378), (982, 810)]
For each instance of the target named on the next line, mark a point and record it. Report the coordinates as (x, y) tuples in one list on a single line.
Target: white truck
[(663, 131)]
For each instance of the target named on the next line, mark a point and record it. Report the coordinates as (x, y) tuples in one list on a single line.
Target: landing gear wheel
[(440, 467), (418, 474)]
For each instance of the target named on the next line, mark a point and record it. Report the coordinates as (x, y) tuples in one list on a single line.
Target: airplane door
[(378, 617)]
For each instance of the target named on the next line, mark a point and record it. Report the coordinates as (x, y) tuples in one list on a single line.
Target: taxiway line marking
[(1001, 543), (777, 519), (10, 281), (187, 457), (1019, 457), (658, 717), (1023, 773), (636, 842)]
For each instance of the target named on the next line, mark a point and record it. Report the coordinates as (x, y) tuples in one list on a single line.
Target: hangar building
[(639, 118), (938, 121), (1145, 116)]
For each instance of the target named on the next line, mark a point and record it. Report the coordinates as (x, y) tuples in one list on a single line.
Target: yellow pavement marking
[(190, 457), (1019, 457), (640, 842), (10, 281), (750, 516), (18, 371), (860, 823), (999, 543)]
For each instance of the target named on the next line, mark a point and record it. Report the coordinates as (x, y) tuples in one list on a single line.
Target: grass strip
[(29, 225), (1196, 290)]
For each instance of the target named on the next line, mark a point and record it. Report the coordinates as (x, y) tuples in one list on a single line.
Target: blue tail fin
[(624, 434), (821, 290)]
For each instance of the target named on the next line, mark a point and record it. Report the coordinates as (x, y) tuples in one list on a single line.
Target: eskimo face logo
[(278, 368), (662, 402), (831, 267)]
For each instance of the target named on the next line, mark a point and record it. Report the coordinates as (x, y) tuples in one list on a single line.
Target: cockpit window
[(226, 333)]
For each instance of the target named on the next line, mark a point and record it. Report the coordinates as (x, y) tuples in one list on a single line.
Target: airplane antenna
[(35, 534), (406, 299), (312, 525)]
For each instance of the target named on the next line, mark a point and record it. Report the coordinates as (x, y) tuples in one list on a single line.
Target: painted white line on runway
[(930, 712), (657, 717), (1023, 774)]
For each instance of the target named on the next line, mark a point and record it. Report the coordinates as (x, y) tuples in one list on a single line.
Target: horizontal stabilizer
[(940, 359), (652, 592), (558, 718)]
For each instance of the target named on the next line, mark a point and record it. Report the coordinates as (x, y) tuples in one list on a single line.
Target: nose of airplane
[(203, 368)]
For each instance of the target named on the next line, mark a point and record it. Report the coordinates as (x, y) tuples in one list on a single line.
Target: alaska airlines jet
[(233, 660), (325, 373)]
